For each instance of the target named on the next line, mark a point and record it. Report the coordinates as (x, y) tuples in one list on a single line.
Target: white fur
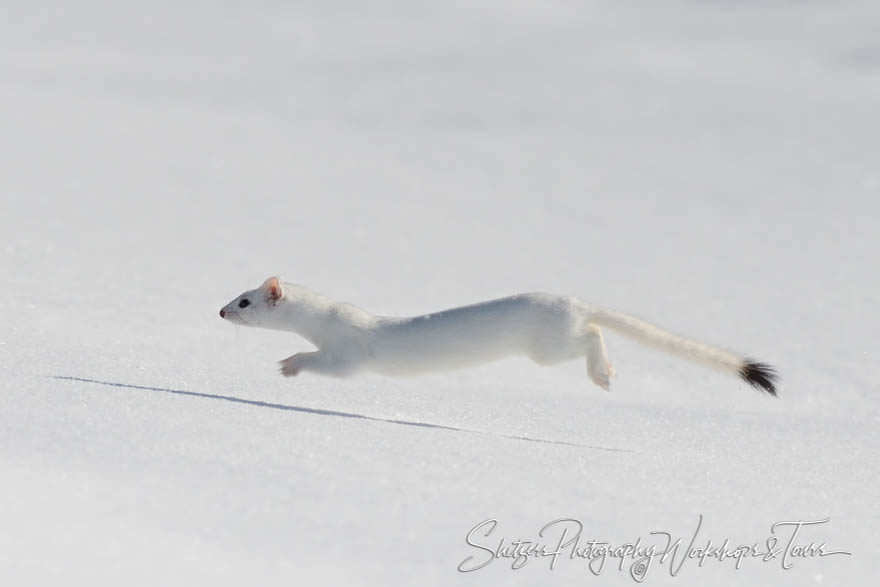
[(547, 328)]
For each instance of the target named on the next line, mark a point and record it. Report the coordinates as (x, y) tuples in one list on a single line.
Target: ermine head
[(255, 307)]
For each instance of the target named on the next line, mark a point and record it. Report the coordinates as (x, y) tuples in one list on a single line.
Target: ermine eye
[(244, 303)]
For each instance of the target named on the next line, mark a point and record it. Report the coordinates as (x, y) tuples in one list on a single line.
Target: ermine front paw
[(289, 367)]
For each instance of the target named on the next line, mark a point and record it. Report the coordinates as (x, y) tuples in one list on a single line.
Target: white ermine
[(547, 328)]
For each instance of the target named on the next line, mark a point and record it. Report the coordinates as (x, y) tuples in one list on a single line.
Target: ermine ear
[(273, 289)]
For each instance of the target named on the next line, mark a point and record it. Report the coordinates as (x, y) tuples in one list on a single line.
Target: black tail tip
[(759, 376)]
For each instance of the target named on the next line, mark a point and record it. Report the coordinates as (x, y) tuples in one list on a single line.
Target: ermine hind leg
[(598, 367)]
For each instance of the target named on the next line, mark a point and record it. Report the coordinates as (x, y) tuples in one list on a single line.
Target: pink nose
[(222, 313)]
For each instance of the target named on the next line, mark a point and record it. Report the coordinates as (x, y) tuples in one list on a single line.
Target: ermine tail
[(758, 375)]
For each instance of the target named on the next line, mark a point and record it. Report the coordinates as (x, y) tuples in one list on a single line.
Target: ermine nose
[(222, 313)]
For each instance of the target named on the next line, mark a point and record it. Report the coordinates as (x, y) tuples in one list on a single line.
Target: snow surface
[(711, 166)]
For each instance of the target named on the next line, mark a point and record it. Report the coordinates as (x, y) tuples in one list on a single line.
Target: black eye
[(244, 303)]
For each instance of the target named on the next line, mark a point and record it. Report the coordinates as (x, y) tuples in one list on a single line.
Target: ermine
[(547, 328)]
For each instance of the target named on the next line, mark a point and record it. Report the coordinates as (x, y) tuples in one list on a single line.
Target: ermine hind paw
[(603, 378)]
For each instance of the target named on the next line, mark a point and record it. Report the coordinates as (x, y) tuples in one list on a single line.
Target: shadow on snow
[(322, 412)]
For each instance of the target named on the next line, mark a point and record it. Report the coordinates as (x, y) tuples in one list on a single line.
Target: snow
[(709, 166)]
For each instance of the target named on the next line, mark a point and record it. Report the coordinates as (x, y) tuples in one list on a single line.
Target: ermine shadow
[(322, 412)]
